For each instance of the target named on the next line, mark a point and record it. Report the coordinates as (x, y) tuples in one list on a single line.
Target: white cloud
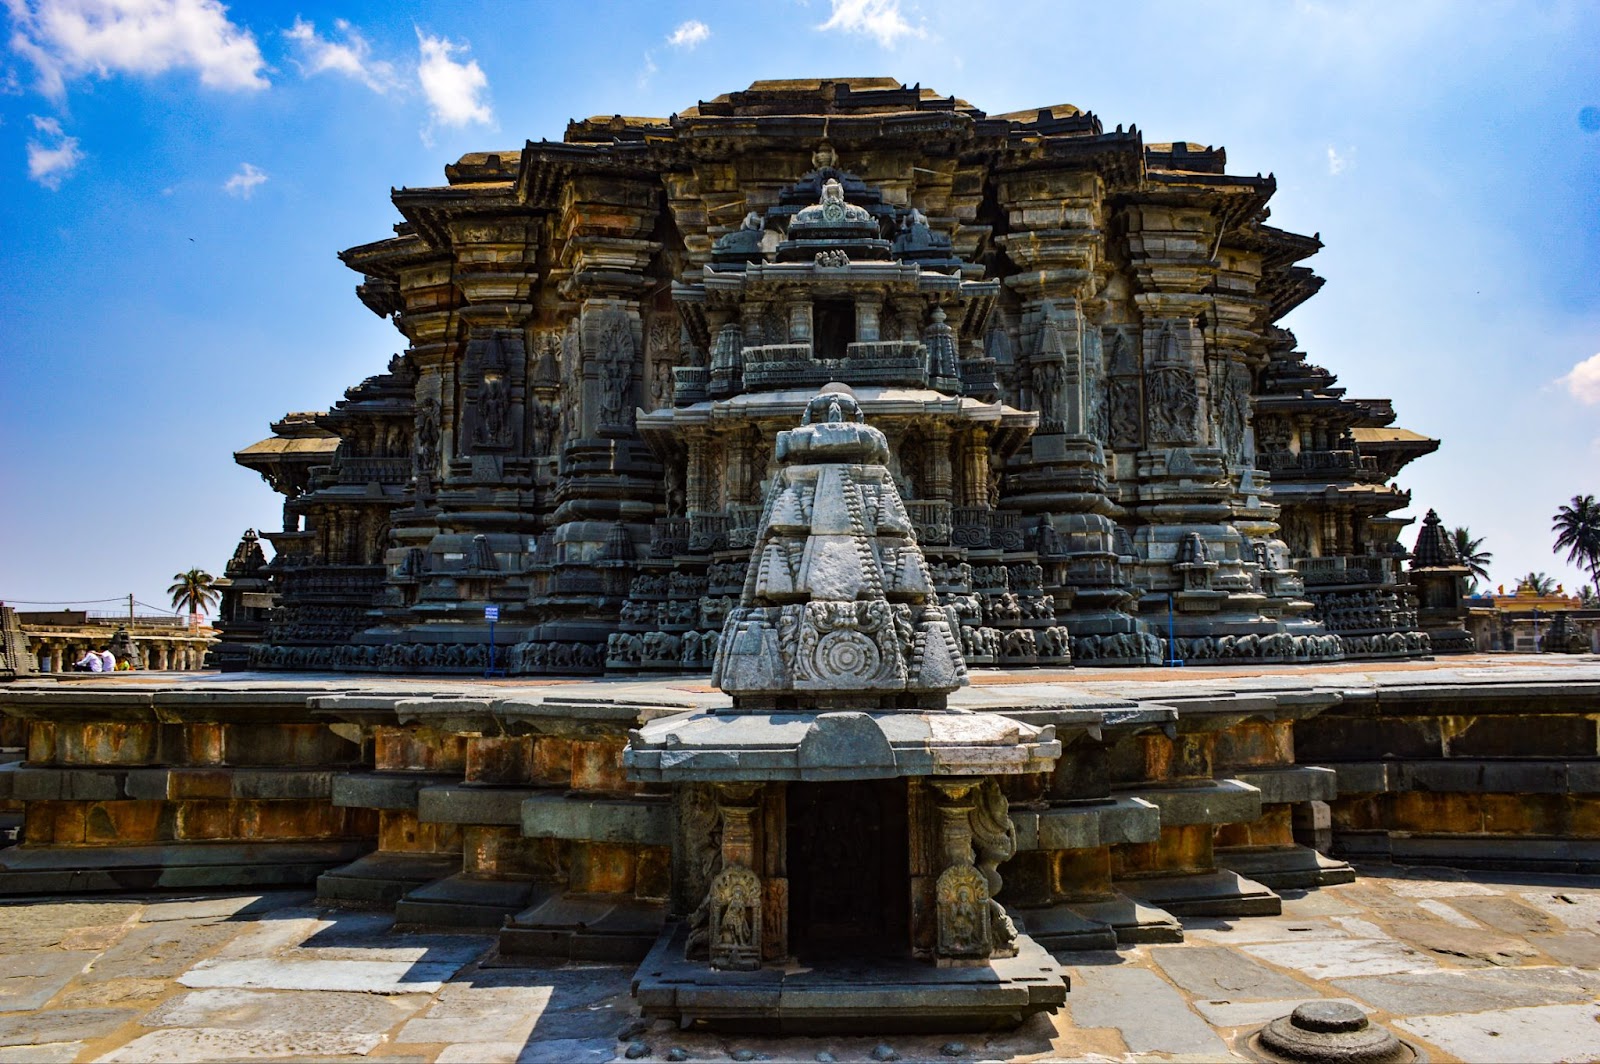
[(351, 56), (1583, 382), (52, 159), (873, 18), (647, 71), (1339, 162), (65, 39), (456, 92), (689, 34), (243, 184)]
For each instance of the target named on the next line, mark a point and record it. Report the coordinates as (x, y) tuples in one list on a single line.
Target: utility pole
[(130, 613)]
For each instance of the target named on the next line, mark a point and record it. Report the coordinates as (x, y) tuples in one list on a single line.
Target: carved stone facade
[(1066, 335)]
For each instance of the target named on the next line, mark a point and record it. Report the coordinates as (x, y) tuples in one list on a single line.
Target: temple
[(1108, 448)]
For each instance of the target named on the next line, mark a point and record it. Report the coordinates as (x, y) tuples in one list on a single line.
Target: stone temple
[(1108, 449)]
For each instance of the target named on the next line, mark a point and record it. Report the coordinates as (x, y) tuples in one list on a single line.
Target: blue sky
[(176, 177)]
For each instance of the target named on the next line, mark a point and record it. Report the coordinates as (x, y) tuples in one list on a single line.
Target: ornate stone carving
[(615, 366), (427, 441)]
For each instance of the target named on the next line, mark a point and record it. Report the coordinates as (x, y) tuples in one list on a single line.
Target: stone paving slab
[(253, 976)]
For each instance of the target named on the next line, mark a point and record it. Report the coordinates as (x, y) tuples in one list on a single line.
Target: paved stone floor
[(1474, 967)]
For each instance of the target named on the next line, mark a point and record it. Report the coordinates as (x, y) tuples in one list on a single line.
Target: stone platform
[(1476, 966), (873, 995)]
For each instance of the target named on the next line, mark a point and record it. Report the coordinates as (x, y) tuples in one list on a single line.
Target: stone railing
[(374, 470), (669, 536), (1345, 569), (884, 362), (970, 526), (1316, 462), (930, 520), (708, 532), (743, 524)]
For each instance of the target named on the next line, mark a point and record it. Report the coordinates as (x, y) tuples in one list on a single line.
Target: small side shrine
[(839, 828)]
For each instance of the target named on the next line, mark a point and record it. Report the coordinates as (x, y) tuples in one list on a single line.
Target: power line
[(63, 602)]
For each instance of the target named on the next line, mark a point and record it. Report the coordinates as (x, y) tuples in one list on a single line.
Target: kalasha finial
[(824, 157)]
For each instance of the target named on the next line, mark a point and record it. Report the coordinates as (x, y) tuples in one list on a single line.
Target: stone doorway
[(834, 327), (849, 869)]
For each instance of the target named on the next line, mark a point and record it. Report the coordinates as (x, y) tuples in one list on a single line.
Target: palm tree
[(1577, 528), (1538, 583), (1587, 597), (193, 591), (1473, 556)]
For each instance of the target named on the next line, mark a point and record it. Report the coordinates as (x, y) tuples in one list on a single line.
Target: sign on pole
[(491, 613)]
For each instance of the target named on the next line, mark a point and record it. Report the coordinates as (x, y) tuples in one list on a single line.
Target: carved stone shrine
[(841, 829), (1100, 436)]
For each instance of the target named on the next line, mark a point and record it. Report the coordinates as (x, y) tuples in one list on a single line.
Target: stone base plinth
[(597, 928), (1286, 867), (872, 995), (462, 900), (170, 866), (1219, 893), (1487, 853), (1132, 921), (378, 880)]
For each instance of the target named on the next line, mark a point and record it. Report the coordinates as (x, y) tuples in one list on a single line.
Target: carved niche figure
[(427, 437), (1174, 404), (1048, 371), (1232, 400), (1123, 415), (736, 920), (962, 897), (493, 400), (615, 366), (571, 382), (997, 345), (543, 421)]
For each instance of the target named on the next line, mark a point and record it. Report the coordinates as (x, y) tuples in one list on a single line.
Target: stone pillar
[(799, 318), (869, 310), (961, 892), (736, 892), (940, 477)]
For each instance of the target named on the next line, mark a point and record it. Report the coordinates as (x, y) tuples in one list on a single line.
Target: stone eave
[(836, 746), (1118, 157), (846, 132), (547, 166), (875, 400), (386, 258)]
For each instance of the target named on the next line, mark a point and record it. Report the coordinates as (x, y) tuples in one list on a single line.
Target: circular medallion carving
[(847, 654)]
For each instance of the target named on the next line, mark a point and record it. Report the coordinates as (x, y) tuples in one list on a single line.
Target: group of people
[(96, 661)]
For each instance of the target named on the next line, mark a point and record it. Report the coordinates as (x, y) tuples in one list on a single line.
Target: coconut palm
[(1577, 528), (1587, 597), (193, 591), (1538, 583), (1473, 556)]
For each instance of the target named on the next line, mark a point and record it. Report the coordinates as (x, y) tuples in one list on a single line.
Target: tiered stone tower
[(1067, 336)]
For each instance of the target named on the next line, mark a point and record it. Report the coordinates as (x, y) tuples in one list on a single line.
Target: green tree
[(1587, 597), (1577, 529), (1539, 583), (1473, 556), (193, 591)]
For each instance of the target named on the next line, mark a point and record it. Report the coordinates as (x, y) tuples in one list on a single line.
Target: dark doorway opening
[(833, 327), (849, 869)]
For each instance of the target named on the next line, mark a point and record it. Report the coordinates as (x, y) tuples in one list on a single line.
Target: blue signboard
[(491, 613)]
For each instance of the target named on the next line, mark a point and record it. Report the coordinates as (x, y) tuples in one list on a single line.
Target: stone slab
[(640, 821), (303, 1011), (468, 804), (463, 901), (49, 1053), (1299, 783), (1546, 1032), (28, 980), (1083, 825), (1219, 893), (887, 994), (1060, 929), (231, 906), (1217, 972), (1455, 990), (383, 790), (378, 880), (365, 977), (1342, 958), (161, 950), (175, 866), (179, 1046), (585, 928), (1228, 801), (1286, 867), (1150, 1015), (61, 1025), (463, 1012), (1133, 921)]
